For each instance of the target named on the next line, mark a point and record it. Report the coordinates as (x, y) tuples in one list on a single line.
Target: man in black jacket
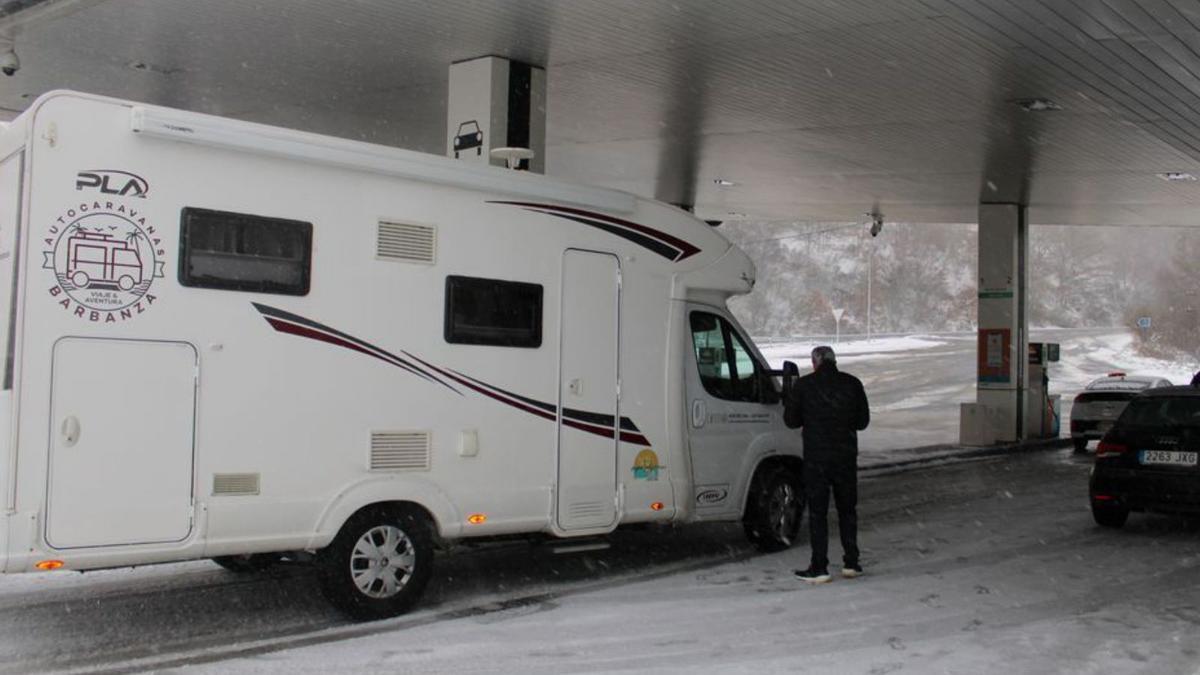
[(831, 406)]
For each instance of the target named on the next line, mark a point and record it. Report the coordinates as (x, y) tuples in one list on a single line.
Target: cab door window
[(727, 370)]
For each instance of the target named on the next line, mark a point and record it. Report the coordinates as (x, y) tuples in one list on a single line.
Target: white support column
[(1002, 384), (496, 103)]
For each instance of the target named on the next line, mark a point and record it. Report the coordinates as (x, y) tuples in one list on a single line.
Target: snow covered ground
[(777, 352), (988, 567)]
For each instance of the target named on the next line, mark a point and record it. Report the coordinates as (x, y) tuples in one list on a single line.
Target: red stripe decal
[(287, 326), (302, 331), (686, 249), (606, 432)]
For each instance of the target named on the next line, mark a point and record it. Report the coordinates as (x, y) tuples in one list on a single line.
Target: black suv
[(1148, 460)]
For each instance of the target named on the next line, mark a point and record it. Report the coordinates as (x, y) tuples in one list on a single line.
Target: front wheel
[(379, 563), (774, 510)]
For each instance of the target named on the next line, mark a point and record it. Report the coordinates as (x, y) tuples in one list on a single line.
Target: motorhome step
[(580, 546)]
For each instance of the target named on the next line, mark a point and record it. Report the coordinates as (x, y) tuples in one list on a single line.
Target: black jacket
[(831, 406)]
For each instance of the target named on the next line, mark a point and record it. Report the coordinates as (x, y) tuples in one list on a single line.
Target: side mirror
[(790, 374)]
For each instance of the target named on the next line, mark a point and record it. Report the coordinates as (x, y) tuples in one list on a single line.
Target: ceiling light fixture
[(723, 182), (1037, 104), (1176, 176)]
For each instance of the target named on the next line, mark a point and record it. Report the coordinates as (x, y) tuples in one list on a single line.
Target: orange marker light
[(657, 506), (477, 518), (49, 564)]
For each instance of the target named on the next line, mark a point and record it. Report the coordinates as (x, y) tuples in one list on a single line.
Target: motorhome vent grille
[(228, 484), (405, 241), (400, 450)]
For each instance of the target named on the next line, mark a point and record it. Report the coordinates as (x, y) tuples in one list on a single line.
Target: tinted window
[(1097, 396), (240, 252), (1162, 411), (493, 312), (727, 370)]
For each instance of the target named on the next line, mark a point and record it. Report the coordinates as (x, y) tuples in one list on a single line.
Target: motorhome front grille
[(400, 450), (230, 484), (407, 242)]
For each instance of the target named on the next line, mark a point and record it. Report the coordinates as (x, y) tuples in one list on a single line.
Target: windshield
[(1115, 383)]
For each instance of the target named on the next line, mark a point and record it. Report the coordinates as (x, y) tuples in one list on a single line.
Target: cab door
[(730, 403)]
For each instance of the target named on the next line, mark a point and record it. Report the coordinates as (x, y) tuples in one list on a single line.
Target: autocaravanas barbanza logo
[(105, 257)]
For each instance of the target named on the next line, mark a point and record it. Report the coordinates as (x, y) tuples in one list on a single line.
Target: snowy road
[(917, 383), (986, 566)]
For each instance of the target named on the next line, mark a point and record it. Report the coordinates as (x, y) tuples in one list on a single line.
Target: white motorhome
[(233, 341)]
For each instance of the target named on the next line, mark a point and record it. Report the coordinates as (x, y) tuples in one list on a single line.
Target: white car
[(1101, 403)]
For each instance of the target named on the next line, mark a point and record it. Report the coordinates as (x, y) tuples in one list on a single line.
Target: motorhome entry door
[(588, 409), (122, 421)]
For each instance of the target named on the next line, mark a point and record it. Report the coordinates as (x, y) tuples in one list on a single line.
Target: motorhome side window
[(241, 252), (727, 370), (493, 312)]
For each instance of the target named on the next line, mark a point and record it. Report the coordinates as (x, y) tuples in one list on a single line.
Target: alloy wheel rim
[(382, 562)]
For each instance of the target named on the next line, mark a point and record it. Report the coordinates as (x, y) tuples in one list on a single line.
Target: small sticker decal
[(711, 496), (105, 257), (646, 466)]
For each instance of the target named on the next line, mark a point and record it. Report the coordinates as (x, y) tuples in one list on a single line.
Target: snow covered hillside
[(923, 276)]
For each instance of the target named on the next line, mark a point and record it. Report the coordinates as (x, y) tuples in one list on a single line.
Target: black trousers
[(841, 476)]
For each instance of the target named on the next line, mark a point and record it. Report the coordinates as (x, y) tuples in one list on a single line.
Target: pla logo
[(712, 496), (113, 182), (105, 257), (646, 466)]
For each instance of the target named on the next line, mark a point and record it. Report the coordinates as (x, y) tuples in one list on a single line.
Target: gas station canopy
[(1088, 111)]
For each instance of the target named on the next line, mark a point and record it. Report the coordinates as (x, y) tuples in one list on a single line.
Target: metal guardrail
[(830, 337)]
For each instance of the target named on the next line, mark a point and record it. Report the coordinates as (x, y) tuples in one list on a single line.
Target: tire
[(774, 510), (1080, 444), (1110, 516), (248, 563), (396, 537)]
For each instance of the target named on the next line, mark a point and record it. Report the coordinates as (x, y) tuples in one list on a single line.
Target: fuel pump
[(1041, 409)]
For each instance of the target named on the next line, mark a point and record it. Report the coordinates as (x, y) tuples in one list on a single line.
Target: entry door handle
[(69, 431), (699, 413)]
